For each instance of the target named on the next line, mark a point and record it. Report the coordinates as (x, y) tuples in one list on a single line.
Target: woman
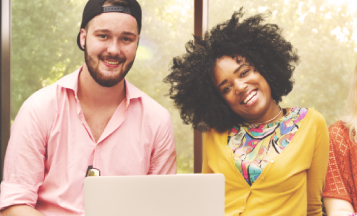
[(229, 84), (340, 193)]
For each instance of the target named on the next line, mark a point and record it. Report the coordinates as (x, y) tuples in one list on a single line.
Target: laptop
[(155, 195)]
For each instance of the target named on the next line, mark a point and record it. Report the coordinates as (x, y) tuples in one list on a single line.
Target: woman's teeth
[(249, 97)]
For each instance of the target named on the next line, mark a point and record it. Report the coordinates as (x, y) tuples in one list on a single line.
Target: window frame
[(5, 78), (201, 8)]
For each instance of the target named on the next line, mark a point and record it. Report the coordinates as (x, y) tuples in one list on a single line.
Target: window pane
[(323, 32), (167, 25), (44, 48)]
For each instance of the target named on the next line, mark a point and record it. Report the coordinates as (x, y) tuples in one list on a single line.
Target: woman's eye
[(103, 36), (226, 89), (244, 73)]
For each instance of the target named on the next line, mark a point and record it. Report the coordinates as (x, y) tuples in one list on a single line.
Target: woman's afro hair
[(191, 74)]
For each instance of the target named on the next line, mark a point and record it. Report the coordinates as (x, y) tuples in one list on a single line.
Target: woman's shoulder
[(338, 132), (312, 118), (316, 115), (340, 139), (212, 136), (214, 132), (338, 126), (307, 112)]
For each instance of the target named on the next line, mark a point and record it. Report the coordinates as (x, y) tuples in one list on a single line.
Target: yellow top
[(290, 184)]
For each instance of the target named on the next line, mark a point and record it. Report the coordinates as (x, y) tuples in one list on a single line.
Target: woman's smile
[(251, 98)]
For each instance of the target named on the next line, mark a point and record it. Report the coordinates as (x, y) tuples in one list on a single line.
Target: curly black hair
[(191, 74)]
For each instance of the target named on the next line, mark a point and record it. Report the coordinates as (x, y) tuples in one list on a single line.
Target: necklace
[(270, 119)]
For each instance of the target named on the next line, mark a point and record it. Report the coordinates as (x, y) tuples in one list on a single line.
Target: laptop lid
[(155, 195)]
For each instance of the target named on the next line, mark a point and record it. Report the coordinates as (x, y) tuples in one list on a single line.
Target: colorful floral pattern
[(254, 145)]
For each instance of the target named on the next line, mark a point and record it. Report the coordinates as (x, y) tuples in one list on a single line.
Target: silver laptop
[(155, 195)]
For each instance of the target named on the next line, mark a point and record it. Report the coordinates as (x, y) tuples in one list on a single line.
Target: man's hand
[(20, 210)]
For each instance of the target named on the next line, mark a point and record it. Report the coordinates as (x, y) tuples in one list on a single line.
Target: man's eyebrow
[(128, 33), (101, 31)]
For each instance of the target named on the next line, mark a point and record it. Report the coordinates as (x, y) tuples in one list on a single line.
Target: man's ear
[(82, 37)]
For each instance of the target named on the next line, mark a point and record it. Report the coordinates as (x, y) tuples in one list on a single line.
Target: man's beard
[(99, 77)]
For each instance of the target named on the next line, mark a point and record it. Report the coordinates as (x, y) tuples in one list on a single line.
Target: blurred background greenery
[(323, 31)]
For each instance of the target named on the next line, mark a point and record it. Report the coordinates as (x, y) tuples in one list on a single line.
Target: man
[(90, 118)]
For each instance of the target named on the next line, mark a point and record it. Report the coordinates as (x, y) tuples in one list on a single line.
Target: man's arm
[(25, 155), (163, 158), (20, 210)]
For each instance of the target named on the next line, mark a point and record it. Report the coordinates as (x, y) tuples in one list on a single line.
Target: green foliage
[(43, 46)]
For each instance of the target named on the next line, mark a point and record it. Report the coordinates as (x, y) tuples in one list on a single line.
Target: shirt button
[(272, 161), (243, 207), (263, 178)]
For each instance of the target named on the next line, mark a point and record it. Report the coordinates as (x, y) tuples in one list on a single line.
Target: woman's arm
[(337, 207), (337, 198), (317, 172), (205, 166)]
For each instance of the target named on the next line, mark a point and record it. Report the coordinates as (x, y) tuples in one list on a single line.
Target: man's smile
[(111, 62)]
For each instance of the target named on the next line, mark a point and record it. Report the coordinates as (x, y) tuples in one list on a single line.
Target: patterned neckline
[(271, 124), (254, 145)]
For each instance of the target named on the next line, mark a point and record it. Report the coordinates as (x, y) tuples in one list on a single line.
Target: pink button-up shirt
[(51, 147)]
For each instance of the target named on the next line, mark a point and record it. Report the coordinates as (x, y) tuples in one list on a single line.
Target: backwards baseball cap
[(95, 7)]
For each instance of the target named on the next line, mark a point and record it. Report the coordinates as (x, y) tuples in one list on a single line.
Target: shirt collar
[(71, 82), (131, 91)]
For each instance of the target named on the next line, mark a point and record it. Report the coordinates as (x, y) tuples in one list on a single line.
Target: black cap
[(95, 7)]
